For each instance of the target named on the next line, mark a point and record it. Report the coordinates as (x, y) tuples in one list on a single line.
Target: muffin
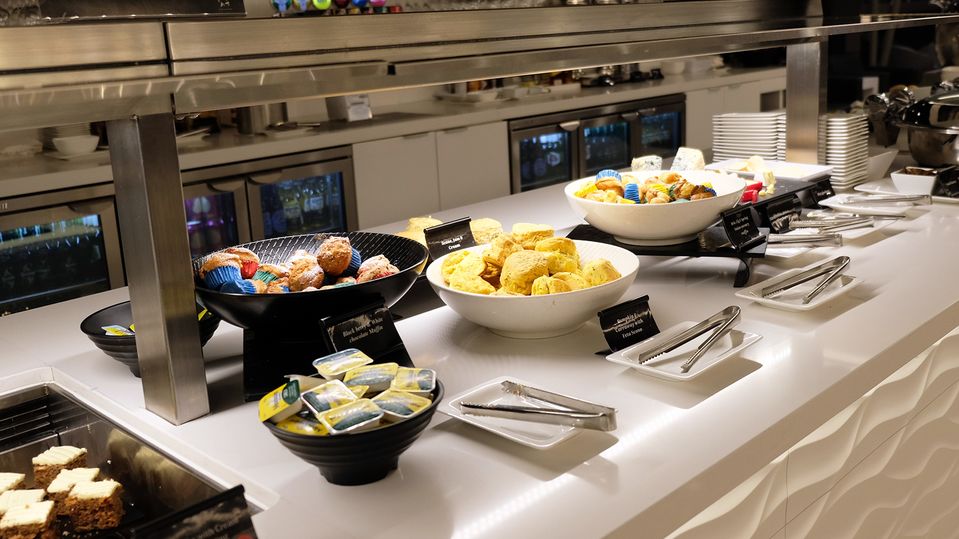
[(305, 271), (527, 234), (244, 286), (521, 269), (219, 269), (268, 273), (279, 286), (335, 255), (249, 262), (375, 268)]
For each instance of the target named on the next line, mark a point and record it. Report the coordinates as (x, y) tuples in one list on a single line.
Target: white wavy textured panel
[(831, 451), (756, 508), (907, 488)]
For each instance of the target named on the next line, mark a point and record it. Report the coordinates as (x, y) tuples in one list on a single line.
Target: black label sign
[(779, 211), (740, 227), (947, 183), (371, 330), (224, 516), (628, 323), (821, 191), (448, 237)]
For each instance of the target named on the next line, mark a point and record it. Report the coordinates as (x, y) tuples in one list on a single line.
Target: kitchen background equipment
[(932, 123), (557, 148), (257, 120), (74, 10)]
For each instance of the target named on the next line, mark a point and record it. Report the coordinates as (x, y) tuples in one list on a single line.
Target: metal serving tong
[(572, 412), (832, 269), (887, 199), (830, 239), (721, 322), (833, 225)]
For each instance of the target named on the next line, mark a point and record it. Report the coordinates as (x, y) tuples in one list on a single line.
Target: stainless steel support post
[(805, 98), (149, 195)]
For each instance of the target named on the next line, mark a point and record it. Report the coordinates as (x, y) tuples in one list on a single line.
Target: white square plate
[(528, 433), (886, 188), (838, 203), (667, 365), (791, 300)]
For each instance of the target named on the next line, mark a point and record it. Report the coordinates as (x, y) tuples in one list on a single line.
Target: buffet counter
[(678, 448)]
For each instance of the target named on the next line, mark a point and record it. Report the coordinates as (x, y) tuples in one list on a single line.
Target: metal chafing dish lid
[(940, 112)]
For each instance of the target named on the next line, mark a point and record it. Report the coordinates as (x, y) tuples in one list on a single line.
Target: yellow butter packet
[(359, 391), (117, 331), (327, 396), (281, 403), (417, 381), (377, 377), (302, 425), (400, 405), (335, 365), (356, 416)]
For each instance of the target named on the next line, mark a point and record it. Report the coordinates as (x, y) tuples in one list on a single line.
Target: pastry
[(249, 262), (485, 229), (32, 520), (473, 284), (10, 481), (557, 263), (470, 264), (564, 246), (549, 285), (305, 272), (268, 273), (527, 234), (521, 269), (61, 486), (95, 505), (279, 286), (450, 262), (335, 256), (574, 280), (610, 185), (599, 271), (375, 268), (219, 269), (422, 223), (501, 247), (48, 464), (346, 280), (16, 498)]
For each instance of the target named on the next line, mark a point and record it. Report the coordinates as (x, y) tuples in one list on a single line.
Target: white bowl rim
[(445, 286), (574, 185)]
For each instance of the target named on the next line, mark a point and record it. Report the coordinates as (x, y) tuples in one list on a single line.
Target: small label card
[(741, 228), (628, 323), (947, 183), (821, 191), (779, 211), (448, 237), (370, 330), (224, 516)]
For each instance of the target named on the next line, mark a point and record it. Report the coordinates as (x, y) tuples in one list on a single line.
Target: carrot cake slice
[(30, 521), (10, 481), (95, 505), (60, 487), (48, 464), (16, 498)]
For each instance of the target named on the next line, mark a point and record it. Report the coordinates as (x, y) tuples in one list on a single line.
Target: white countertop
[(43, 173), (678, 445)]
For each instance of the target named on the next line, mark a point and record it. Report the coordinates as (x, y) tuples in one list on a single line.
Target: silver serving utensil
[(828, 267), (716, 335), (887, 199), (821, 222), (832, 276), (668, 345), (572, 411), (813, 240)]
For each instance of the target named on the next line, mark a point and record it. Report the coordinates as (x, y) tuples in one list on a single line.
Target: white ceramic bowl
[(537, 317), (912, 184), (660, 224), (77, 145)]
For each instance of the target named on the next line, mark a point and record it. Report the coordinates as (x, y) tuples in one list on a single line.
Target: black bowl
[(288, 313), (364, 457), (124, 348)]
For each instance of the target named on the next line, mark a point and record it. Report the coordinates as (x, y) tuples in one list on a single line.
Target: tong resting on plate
[(833, 225), (832, 269), (722, 322), (887, 199), (563, 410), (805, 239)]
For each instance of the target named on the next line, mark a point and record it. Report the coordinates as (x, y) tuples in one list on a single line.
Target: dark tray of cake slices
[(159, 496)]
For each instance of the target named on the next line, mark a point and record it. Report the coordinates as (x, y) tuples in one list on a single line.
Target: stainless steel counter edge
[(41, 173)]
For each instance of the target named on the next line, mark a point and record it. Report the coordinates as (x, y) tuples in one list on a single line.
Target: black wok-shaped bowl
[(364, 457), (124, 348), (301, 310)]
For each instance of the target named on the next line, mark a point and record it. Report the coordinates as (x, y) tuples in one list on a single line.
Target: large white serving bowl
[(660, 224), (537, 317)]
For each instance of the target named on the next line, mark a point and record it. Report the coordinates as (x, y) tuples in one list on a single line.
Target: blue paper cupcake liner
[(631, 191), (608, 173), (241, 286), (217, 277), (354, 266), (264, 276)]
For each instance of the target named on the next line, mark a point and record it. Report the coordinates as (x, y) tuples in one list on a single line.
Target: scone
[(470, 264), (505, 292), (484, 230), (599, 271), (561, 263), (422, 223), (564, 246), (450, 262), (501, 247), (473, 284), (521, 269), (549, 285), (528, 234), (575, 281)]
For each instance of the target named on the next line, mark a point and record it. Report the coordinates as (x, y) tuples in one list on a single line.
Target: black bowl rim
[(205, 320), (359, 436), (313, 293)]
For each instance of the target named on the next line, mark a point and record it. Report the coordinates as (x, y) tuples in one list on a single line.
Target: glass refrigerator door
[(216, 216), (606, 144), (300, 201), (54, 255), (543, 156), (662, 130)]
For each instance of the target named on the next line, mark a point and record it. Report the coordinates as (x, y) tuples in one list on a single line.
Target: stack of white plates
[(741, 135), (844, 145), (47, 134)]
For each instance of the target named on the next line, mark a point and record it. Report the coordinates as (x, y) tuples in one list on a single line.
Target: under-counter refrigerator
[(557, 148), (57, 246), (266, 198)]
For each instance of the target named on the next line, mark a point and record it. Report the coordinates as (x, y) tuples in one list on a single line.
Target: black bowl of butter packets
[(352, 424), (113, 331)]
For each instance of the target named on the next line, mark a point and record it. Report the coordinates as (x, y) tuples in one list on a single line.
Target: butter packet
[(327, 396), (359, 391), (400, 405), (303, 425), (416, 381), (356, 416), (117, 331), (335, 365), (281, 403), (378, 377)]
